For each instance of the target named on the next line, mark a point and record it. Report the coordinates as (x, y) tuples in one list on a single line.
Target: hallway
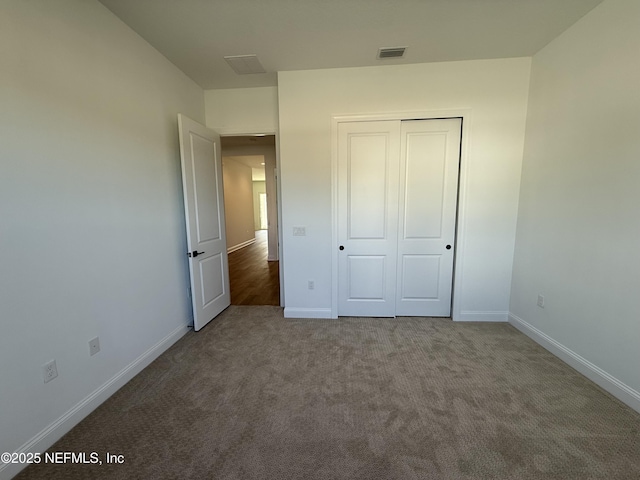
[(254, 281)]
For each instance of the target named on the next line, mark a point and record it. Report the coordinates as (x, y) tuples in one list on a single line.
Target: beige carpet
[(257, 396)]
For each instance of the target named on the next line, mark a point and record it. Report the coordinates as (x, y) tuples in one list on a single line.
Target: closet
[(397, 196)]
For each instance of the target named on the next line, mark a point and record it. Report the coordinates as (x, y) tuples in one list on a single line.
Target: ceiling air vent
[(393, 52), (244, 64)]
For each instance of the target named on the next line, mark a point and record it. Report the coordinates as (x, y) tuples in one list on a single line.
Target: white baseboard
[(290, 312), (51, 434), (471, 316), (241, 245), (594, 373)]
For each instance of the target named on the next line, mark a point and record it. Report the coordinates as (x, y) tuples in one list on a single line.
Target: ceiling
[(310, 34), (247, 140)]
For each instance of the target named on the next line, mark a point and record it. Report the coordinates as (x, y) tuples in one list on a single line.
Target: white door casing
[(429, 166), (368, 217), (397, 194), (204, 213)]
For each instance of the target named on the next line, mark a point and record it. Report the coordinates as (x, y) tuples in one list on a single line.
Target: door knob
[(448, 247), (341, 247), (195, 253)]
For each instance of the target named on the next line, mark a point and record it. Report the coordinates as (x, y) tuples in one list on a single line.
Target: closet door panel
[(429, 166), (368, 158)]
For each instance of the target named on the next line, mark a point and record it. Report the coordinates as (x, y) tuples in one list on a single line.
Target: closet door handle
[(448, 247), (341, 247)]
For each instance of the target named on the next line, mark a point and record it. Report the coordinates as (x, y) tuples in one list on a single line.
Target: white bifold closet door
[(397, 195)]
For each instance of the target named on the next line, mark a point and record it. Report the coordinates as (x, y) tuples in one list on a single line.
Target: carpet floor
[(257, 396)]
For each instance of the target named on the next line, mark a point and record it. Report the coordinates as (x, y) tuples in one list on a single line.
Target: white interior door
[(369, 155), (204, 211), (429, 165)]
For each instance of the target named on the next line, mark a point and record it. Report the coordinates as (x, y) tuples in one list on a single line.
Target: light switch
[(299, 231)]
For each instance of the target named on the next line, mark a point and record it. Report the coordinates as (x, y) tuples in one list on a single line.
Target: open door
[(204, 212)]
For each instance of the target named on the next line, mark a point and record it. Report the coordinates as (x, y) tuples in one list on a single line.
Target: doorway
[(250, 191)]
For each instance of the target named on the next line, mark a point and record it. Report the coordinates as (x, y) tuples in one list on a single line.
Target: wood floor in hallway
[(254, 280)]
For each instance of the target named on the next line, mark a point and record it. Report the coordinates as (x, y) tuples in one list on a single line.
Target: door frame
[(234, 132), (460, 239)]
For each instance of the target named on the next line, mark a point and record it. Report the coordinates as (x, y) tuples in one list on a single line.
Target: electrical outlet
[(49, 371), (311, 284), (540, 301), (299, 231), (94, 346)]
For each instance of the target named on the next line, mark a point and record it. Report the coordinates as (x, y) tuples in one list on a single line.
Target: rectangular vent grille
[(245, 64), (394, 52)]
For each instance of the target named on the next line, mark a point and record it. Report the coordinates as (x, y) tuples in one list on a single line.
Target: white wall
[(493, 92), (238, 203), (578, 228), (92, 237), (242, 110)]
